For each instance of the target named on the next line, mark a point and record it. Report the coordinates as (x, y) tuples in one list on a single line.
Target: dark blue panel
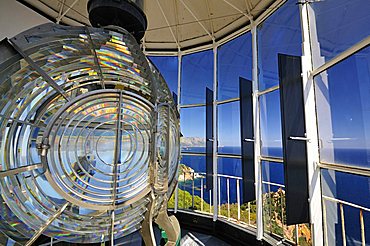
[(174, 96), (247, 136), (209, 138), (295, 151)]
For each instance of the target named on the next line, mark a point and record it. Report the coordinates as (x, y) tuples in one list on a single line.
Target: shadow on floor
[(194, 239)]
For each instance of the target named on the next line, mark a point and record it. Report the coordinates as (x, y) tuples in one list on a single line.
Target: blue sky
[(234, 61)]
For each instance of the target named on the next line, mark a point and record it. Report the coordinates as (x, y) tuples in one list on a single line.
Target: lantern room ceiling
[(172, 24)]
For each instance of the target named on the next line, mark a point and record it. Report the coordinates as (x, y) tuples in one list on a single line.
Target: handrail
[(343, 225), (191, 187), (345, 203)]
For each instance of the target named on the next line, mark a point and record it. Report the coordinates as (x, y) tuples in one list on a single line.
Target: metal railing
[(341, 204), (185, 181), (282, 209)]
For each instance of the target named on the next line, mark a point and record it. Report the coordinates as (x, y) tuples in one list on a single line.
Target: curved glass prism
[(88, 132)]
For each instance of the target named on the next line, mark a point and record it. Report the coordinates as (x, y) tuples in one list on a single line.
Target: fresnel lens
[(89, 136)]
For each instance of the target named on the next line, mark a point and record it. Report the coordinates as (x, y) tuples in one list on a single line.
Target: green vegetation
[(274, 218), (185, 202), (273, 213)]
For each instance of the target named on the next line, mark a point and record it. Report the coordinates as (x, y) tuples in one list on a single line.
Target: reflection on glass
[(270, 123), (343, 103), (168, 66), (196, 75), (230, 166), (196, 163), (193, 125), (340, 24), (280, 33), (273, 172), (229, 128), (234, 60)]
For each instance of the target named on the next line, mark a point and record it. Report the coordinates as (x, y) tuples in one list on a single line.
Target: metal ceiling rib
[(172, 24)]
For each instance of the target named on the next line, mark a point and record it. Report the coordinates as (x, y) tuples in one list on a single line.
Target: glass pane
[(193, 129), (234, 61), (192, 193), (280, 33), (347, 187), (350, 188), (273, 202), (271, 140), (273, 197), (343, 103), (274, 207), (168, 66), (196, 75), (230, 167), (273, 172), (352, 222), (340, 24), (229, 128)]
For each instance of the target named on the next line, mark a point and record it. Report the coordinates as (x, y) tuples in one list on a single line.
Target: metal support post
[(314, 182), (215, 171), (256, 118), (179, 60)]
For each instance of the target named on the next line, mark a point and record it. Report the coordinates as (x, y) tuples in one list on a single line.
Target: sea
[(347, 187), (230, 167)]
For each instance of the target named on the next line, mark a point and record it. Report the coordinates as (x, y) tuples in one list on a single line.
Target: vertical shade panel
[(247, 139), (209, 139), (175, 98), (294, 139)]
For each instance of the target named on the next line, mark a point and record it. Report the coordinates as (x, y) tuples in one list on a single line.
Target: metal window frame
[(342, 56), (307, 15)]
